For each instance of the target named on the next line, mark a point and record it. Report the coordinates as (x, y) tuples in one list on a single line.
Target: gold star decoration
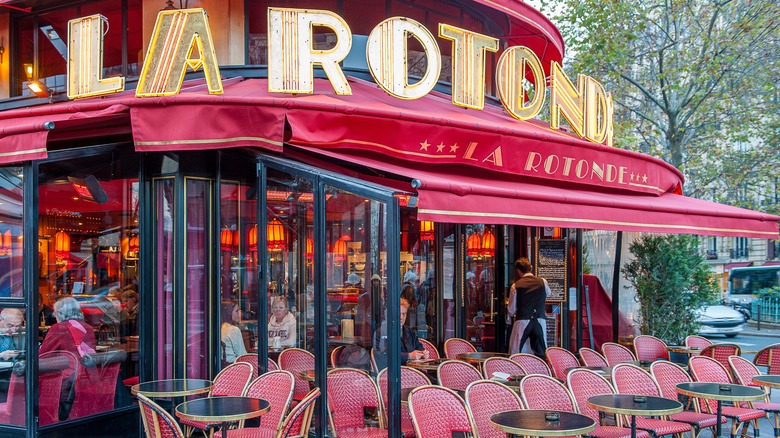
[(644, 178), (424, 145), (454, 147), (440, 147)]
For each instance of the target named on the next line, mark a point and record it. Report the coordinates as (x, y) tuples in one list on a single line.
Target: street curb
[(763, 333)]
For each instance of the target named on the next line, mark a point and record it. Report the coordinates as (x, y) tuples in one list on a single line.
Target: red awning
[(730, 266), (452, 196), (771, 263)]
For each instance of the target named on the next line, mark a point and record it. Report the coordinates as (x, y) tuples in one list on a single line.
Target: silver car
[(721, 320)]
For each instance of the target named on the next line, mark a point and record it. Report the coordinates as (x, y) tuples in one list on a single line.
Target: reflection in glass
[(480, 286)]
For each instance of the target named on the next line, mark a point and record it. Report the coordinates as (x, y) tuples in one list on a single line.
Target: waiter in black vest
[(526, 303)]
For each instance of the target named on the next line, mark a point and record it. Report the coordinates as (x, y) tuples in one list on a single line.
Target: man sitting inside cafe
[(11, 322), (411, 348)]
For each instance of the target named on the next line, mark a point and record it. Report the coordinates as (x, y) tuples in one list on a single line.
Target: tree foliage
[(694, 83), (672, 282)]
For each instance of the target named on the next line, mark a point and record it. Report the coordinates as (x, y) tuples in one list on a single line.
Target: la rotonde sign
[(585, 106)]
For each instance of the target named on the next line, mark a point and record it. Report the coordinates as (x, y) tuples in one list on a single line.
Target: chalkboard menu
[(551, 264)]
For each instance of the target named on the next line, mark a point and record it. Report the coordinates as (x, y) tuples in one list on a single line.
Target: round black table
[(627, 404), (720, 392), (767, 380), (477, 358), (531, 422), (222, 410), (172, 387), (428, 365)]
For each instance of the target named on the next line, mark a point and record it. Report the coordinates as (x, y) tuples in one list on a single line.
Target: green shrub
[(672, 282)]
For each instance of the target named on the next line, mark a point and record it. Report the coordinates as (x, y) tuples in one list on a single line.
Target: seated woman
[(70, 333), (233, 342), (282, 324)]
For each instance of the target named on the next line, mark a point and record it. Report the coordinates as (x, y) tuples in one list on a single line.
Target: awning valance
[(461, 198)]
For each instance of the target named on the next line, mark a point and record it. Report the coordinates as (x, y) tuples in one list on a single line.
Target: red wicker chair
[(592, 358), (616, 353), (157, 422), (545, 392), (485, 398), (96, 381), (630, 379), (276, 387), (433, 352), (455, 346), (350, 392), (501, 365), (298, 421), (272, 366), (649, 348), (410, 378), (744, 371), (457, 375), (50, 374), (560, 360), (68, 379), (667, 375), (231, 381), (296, 361), (439, 412), (584, 384), (531, 364), (721, 353), (334, 356), (694, 341), (707, 369), (250, 358), (769, 357)]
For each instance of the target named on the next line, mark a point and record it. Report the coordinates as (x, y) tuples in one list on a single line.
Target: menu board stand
[(551, 263)]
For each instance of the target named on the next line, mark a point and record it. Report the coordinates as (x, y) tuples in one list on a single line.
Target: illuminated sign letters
[(85, 59), (520, 78)]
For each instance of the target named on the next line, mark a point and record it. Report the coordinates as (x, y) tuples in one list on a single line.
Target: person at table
[(11, 322), (70, 333), (281, 324), (129, 315), (526, 303), (411, 347), (232, 340)]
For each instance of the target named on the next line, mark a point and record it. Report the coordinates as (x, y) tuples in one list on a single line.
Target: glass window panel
[(480, 286), (418, 274), (356, 278), (12, 384), (164, 249), (88, 228), (11, 230), (448, 286), (290, 243), (197, 195)]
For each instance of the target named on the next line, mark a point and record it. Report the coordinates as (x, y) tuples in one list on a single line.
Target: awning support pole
[(616, 288)]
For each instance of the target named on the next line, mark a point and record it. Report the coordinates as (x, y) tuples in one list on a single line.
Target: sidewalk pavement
[(767, 330)]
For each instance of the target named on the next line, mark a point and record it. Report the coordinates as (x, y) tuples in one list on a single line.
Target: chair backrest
[(296, 360), (650, 348), (96, 382), (334, 356), (695, 341), (51, 371), (485, 398), (560, 360), (592, 358), (707, 369), (769, 357), (157, 422), (630, 379), (545, 392), (502, 365), (743, 370), (277, 388), (457, 375), (616, 353), (721, 352), (531, 364), (439, 412), (250, 358), (584, 384), (232, 380), (298, 421), (433, 352), (668, 375), (350, 391), (410, 378), (272, 366), (455, 346)]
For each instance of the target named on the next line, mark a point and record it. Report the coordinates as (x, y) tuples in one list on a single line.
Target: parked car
[(721, 320)]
